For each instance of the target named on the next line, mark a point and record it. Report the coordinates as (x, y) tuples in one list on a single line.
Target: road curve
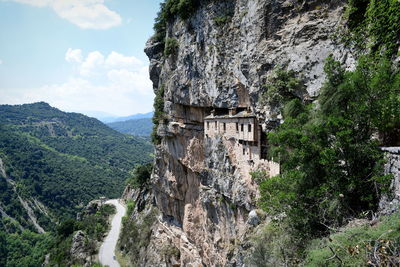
[(107, 249)]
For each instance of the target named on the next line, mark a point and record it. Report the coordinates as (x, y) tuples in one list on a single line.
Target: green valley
[(52, 164)]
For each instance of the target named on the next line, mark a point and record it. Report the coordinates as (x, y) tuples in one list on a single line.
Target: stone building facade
[(242, 135)]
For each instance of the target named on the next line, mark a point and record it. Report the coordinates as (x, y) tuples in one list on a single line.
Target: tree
[(332, 168)]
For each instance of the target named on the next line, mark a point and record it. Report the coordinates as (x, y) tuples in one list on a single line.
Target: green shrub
[(130, 207), (159, 114), (171, 46), (169, 10), (140, 175), (273, 245), (93, 225), (169, 251), (282, 86), (222, 20), (375, 24), (293, 108), (259, 176), (135, 235), (359, 246)]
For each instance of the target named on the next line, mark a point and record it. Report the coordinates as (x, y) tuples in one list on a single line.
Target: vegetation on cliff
[(332, 167), (135, 235), (169, 10), (362, 245), (374, 25), (140, 176), (93, 224), (159, 115)]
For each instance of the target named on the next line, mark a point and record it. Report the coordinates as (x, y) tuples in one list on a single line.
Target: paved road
[(107, 254)]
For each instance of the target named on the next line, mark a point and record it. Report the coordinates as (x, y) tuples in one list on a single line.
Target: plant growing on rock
[(331, 167), (171, 46), (158, 115), (140, 175), (282, 86)]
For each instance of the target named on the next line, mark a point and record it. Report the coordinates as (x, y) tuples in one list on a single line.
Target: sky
[(77, 55)]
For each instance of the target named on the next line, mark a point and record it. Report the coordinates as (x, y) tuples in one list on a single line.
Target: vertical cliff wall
[(226, 50)]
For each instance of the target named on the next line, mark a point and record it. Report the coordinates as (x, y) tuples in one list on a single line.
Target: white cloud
[(116, 60), (1, 61), (73, 55), (81, 95), (92, 63), (113, 83), (128, 80), (86, 14)]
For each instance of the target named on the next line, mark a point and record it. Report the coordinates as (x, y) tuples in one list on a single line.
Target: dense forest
[(53, 163), (136, 127)]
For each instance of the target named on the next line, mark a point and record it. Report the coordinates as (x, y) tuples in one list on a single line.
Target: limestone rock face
[(79, 251), (203, 199), (391, 202)]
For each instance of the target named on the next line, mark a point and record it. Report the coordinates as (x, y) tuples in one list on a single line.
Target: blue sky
[(78, 55)]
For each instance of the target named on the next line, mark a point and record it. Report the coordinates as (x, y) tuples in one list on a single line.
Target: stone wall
[(237, 128)]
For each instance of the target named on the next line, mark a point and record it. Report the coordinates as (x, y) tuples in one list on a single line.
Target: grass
[(366, 245)]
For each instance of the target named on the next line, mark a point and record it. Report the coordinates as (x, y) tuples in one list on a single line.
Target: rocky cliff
[(225, 52)]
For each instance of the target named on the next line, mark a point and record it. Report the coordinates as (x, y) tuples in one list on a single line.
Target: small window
[(244, 151), (224, 127), (249, 128), (208, 125), (216, 126), (237, 127), (241, 127)]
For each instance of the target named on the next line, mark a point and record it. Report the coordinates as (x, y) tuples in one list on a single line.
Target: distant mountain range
[(136, 127), (131, 117)]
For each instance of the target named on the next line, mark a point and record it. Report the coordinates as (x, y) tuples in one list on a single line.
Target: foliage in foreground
[(365, 245), (273, 245), (135, 234), (362, 245), (158, 115), (331, 165), (93, 225), (140, 176)]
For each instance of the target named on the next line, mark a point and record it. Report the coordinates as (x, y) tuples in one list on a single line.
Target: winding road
[(107, 249)]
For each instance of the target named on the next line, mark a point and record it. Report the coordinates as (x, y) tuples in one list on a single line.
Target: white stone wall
[(232, 128), (245, 156)]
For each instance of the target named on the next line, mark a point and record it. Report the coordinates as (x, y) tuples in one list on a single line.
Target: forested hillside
[(52, 164), (136, 127), (63, 160)]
